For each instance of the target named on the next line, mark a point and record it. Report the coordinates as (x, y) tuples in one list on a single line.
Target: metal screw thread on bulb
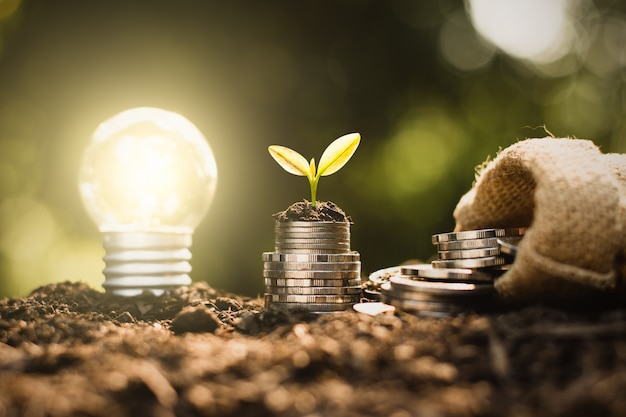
[(138, 262)]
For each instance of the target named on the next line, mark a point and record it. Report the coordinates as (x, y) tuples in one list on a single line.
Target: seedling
[(335, 156)]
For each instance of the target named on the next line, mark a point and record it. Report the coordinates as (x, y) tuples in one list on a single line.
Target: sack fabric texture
[(572, 199)]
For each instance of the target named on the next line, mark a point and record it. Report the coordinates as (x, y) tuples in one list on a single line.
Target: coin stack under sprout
[(312, 267), (461, 277)]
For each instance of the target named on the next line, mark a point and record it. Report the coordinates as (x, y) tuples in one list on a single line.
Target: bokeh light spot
[(607, 53), (75, 259), (8, 7), (461, 47), (420, 153), (536, 30), (27, 228)]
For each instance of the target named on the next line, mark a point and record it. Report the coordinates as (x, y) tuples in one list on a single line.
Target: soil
[(67, 350), (304, 211)]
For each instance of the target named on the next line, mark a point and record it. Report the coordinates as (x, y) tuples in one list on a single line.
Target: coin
[(508, 246), (310, 251), (455, 289), (468, 253), (387, 290), (490, 242), (313, 235), (316, 223), (428, 273), (315, 246), (308, 299), (304, 282), (371, 287), (477, 234), (465, 300), (434, 306), (317, 231), (354, 289), (469, 263), (313, 257), (319, 250), (497, 270), (383, 275), (311, 307), (313, 241), (314, 266), (373, 309), (300, 274), (317, 228)]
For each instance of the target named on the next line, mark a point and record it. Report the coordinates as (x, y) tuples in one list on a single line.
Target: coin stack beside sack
[(312, 267), (461, 277)]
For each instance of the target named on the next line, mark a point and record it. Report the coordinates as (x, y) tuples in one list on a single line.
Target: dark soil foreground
[(69, 350)]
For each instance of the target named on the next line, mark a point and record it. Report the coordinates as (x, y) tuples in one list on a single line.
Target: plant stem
[(314, 191)]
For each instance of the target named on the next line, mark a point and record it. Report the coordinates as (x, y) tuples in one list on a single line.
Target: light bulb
[(147, 179)]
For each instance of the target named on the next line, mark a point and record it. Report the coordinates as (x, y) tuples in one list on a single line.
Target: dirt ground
[(67, 350)]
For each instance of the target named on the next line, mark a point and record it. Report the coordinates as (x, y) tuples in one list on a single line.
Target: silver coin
[(434, 306), (308, 232), (470, 263), (300, 274), (465, 300), (312, 235), (383, 275), (371, 294), (314, 266), (311, 251), (340, 229), (354, 290), (312, 257), (497, 269), (310, 307), (308, 299), (373, 309), (307, 224), (490, 242), (313, 245), (477, 234), (468, 253), (312, 241), (304, 282), (456, 289), (508, 246), (428, 273)]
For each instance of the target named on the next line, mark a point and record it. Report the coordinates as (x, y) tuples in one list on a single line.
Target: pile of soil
[(67, 350), (305, 211)]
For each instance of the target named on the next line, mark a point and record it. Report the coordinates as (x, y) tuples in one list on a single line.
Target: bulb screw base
[(140, 262)]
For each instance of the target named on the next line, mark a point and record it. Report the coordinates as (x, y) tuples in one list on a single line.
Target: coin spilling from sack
[(312, 268), (460, 279)]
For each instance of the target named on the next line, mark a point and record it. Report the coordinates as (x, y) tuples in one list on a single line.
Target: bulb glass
[(147, 169), (147, 179)]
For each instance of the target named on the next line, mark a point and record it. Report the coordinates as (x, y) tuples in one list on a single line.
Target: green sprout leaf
[(292, 161), (335, 156), (338, 154)]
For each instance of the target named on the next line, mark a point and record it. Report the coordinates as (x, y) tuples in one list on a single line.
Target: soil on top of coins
[(305, 211), (68, 350)]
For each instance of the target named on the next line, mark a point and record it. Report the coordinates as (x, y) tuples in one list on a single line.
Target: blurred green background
[(434, 88)]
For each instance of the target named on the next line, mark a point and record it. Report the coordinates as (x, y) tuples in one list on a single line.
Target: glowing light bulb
[(147, 179)]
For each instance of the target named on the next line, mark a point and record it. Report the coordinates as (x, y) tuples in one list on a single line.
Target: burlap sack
[(572, 198)]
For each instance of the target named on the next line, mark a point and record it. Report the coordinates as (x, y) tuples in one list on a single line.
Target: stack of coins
[(312, 267), (477, 249), (461, 277)]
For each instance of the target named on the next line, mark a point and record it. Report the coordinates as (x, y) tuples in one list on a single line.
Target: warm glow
[(148, 169), (536, 30)]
